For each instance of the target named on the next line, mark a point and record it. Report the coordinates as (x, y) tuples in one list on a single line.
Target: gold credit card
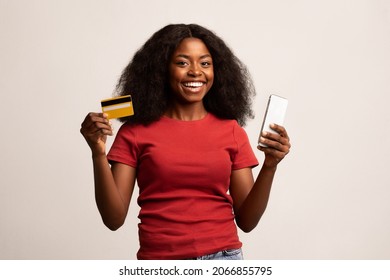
[(118, 107)]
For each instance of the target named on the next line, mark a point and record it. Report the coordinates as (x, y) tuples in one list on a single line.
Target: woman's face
[(191, 72)]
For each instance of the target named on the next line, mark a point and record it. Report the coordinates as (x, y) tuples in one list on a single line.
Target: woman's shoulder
[(140, 129), (226, 122)]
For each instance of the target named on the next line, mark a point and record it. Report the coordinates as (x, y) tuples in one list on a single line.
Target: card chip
[(118, 107)]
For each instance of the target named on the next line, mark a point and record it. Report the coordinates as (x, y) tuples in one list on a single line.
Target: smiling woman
[(186, 149), (191, 77)]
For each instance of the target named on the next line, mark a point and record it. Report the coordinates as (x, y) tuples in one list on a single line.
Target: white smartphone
[(275, 113)]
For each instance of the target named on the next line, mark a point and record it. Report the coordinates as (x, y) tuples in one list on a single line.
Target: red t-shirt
[(183, 174)]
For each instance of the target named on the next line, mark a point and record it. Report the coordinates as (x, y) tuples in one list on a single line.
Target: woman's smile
[(194, 87)]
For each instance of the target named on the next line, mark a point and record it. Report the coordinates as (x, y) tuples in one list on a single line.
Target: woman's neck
[(190, 112)]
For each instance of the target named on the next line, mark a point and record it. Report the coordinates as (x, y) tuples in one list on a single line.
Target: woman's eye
[(206, 63), (181, 63)]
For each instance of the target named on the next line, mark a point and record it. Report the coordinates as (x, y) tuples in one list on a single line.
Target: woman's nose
[(194, 71)]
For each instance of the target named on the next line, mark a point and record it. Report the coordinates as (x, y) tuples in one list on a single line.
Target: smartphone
[(275, 113)]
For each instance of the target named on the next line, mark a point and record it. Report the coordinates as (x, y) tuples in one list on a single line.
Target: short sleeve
[(124, 148), (244, 156)]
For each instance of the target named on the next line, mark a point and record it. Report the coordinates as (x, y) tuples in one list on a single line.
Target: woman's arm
[(113, 190), (250, 198), (113, 186)]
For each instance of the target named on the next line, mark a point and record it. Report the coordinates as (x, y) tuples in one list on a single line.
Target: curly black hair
[(146, 77)]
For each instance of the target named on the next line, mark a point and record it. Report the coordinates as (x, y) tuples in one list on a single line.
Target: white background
[(330, 58)]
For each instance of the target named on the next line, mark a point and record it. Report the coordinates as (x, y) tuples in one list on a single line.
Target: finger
[(271, 144), (90, 116), (98, 136), (104, 129), (275, 152), (108, 132), (92, 119), (272, 156), (97, 128), (276, 137), (276, 142), (279, 129)]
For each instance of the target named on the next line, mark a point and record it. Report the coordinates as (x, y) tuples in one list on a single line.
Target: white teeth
[(193, 84)]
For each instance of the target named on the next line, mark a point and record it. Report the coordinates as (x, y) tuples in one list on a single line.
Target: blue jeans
[(231, 254)]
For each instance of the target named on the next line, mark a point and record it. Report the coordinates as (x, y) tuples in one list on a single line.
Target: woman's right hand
[(95, 129)]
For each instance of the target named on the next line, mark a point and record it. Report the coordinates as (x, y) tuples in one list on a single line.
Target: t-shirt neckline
[(205, 118)]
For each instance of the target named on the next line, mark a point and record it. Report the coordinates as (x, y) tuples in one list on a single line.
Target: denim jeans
[(232, 254)]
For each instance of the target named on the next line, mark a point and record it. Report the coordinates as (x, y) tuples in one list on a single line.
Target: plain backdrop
[(331, 59)]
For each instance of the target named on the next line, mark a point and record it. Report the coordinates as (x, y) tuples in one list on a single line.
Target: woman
[(185, 147)]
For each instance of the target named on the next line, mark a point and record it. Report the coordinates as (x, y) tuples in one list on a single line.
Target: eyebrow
[(187, 56)]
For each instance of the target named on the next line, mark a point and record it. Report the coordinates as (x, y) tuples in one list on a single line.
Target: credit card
[(118, 107)]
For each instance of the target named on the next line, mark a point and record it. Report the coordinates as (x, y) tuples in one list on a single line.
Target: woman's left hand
[(278, 145)]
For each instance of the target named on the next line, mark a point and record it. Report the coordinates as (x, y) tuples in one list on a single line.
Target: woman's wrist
[(99, 155), (269, 168)]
